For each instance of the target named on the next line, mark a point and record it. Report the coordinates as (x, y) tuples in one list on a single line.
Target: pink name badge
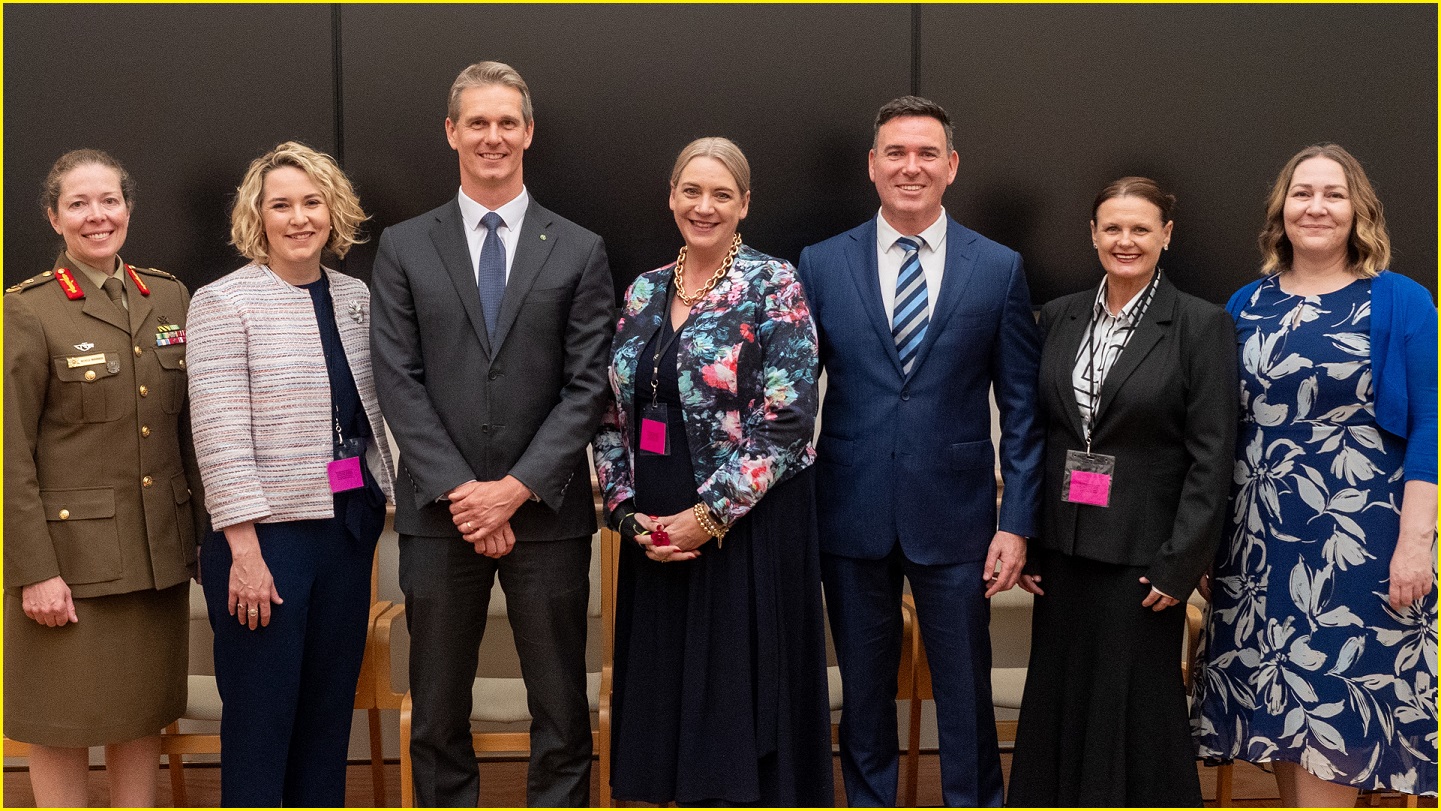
[(1090, 488), (652, 436), (345, 474)]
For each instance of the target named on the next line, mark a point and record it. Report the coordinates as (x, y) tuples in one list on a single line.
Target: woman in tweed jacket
[(297, 470)]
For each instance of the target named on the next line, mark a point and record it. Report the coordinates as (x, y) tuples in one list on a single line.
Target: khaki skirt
[(116, 675)]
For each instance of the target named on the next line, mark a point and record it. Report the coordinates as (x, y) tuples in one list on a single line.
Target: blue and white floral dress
[(1306, 661)]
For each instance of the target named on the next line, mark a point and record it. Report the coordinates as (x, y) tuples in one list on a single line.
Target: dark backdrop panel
[(1051, 102), (618, 90), (184, 96)]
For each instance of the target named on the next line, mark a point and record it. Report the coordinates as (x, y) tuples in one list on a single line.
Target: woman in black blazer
[(1138, 385)]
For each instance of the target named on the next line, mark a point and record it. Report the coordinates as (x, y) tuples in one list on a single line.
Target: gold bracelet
[(709, 525)]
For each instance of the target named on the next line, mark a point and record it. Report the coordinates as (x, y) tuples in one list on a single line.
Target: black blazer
[(1167, 412), (462, 407)]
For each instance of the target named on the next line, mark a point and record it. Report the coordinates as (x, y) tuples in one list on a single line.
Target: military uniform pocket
[(88, 392), (84, 533), (172, 364)]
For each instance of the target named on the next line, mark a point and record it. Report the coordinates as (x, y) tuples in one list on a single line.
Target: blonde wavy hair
[(1368, 249), (247, 227)]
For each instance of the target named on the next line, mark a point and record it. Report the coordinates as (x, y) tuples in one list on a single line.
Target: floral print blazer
[(748, 365)]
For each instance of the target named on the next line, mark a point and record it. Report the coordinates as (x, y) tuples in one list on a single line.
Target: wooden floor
[(502, 784)]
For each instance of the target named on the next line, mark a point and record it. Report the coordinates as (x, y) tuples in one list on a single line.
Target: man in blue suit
[(920, 320)]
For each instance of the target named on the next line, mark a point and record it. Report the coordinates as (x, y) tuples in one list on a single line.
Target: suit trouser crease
[(288, 688), (863, 601), (447, 594)]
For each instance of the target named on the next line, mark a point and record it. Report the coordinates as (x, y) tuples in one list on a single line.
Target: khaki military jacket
[(99, 466)]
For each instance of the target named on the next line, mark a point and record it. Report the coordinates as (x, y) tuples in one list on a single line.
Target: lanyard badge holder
[(344, 469), (654, 436), (1087, 476)]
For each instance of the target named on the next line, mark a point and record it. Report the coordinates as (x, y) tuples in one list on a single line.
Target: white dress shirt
[(512, 214), (889, 257)]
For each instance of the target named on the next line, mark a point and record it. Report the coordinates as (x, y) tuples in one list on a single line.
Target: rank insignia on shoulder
[(135, 277), (169, 335), (68, 284)]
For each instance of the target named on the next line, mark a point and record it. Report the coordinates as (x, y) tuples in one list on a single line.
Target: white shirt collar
[(512, 212), (933, 236)]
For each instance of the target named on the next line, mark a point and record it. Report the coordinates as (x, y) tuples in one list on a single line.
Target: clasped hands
[(682, 530), (482, 512)]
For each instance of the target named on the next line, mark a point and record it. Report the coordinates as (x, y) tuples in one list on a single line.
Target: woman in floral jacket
[(704, 456)]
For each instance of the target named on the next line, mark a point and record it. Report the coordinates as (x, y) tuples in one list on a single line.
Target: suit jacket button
[(485, 429), (90, 375), (493, 375), (905, 394), (64, 515), (138, 350), (144, 391), (146, 481), (145, 430)]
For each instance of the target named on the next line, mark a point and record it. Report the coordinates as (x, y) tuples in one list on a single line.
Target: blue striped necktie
[(490, 275), (910, 318)]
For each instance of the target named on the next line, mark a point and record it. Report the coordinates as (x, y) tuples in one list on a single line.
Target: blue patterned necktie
[(910, 318), (490, 277)]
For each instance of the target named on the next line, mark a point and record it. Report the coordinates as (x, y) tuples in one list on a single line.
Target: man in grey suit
[(491, 325)]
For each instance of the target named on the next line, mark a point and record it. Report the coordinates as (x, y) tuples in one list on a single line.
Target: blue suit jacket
[(910, 458)]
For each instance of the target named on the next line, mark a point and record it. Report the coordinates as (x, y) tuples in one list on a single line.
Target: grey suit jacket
[(463, 407)]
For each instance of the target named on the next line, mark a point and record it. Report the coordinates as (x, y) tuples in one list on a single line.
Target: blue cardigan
[(1403, 364)]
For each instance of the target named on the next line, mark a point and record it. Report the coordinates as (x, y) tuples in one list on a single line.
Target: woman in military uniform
[(99, 526)]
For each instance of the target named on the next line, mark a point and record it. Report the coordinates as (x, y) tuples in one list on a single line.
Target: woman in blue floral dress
[(704, 459), (1321, 644)]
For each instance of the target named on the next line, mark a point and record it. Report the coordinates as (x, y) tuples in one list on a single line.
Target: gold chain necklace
[(715, 278)]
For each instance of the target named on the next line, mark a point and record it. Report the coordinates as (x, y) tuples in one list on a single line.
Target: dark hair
[(1368, 249), (914, 105), (1142, 187), (75, 158)]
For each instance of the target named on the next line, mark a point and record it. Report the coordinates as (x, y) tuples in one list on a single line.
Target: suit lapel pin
[(542, 237), (357, 311)]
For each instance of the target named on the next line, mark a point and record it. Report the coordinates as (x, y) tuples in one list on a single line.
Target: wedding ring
[(467, 526)]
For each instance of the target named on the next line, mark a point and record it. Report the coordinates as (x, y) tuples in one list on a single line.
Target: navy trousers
[(289, 687), (863, 600)]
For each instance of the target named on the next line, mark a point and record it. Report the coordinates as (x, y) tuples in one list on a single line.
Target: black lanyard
[(668, 335), (1093, 385)]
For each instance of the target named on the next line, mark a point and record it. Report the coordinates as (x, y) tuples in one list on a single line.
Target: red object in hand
[(660, 537)]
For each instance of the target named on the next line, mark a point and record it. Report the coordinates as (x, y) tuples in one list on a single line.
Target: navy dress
[(1305, 661), (288, 688), (720, 660)]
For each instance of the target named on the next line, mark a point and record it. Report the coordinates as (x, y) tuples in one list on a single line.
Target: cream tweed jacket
[(260, 396)]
